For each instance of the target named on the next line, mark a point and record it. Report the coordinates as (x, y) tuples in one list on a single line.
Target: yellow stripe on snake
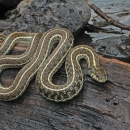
[(38, 60)]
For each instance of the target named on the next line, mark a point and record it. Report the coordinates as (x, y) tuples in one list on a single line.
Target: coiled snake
[(38, 60)]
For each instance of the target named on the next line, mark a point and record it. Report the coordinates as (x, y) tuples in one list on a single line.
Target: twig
[(108, 19)]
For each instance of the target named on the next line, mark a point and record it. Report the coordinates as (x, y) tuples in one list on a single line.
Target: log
[(97, 107)]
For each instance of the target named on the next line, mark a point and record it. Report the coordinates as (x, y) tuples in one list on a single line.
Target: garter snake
[(44, 65), (2, 37), (16, 61)]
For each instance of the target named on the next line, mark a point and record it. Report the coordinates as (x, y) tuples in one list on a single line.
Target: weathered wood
[(97, 107)]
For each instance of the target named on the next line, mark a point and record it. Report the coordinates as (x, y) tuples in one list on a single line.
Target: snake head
[(98, 73)]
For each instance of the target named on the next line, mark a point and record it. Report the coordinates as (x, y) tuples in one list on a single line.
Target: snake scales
[(38, 60)]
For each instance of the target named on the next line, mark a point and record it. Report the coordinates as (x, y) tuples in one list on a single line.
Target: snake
[(16, 61), (44, 63), (2, 37)]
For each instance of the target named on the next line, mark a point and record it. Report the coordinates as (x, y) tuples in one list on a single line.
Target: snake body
[(2, 37), (16, 61), (44, 65), (62, 93)]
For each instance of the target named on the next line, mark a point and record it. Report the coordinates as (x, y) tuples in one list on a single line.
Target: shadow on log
[(97, 107)]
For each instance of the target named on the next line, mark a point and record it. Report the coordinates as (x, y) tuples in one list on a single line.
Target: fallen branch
[(107, 18)]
